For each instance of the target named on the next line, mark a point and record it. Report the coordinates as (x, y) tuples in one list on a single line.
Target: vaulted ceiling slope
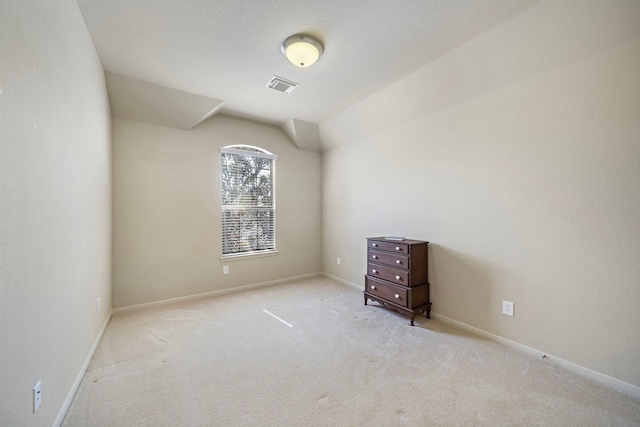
[(227, 51)]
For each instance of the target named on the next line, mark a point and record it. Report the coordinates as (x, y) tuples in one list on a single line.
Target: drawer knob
[(397, 277), (397, 296), (374, 271), (373, 286), (375, 245), (375, 257), (397, 248), (398, 261)]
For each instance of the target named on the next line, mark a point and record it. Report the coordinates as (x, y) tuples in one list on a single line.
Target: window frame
[(254, 151)]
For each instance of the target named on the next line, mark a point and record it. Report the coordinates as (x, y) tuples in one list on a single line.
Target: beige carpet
[(225, 361)]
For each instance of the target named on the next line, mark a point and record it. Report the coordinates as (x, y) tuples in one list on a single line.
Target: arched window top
[(243, 149)]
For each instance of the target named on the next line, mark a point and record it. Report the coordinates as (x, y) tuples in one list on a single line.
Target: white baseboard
[(614, 383), (76, 385), (121, 310), (344, 282)]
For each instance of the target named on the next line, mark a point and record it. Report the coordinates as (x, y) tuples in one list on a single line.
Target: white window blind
[(248, 200)]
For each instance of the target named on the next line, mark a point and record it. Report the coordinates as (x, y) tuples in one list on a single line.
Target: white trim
[(247, 255), (76, 385), (344, 282), (262, 153), (616, 384), (121, 310)]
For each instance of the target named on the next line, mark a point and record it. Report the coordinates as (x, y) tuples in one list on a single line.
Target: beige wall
[(55, 192), (518, 157), (167, 212)]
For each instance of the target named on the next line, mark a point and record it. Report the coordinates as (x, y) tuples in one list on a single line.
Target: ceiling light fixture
[(302, 51)]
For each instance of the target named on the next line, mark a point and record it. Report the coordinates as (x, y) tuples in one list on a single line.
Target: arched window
[(248, 200)]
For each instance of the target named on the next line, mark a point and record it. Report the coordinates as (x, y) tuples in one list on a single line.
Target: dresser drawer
[(394, 294), (396, 247), (394, 275), (395, 260)]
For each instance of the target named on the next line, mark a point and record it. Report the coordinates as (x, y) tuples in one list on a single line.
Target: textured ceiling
[(228, 50)]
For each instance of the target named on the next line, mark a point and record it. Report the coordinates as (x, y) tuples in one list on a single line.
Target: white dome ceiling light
[(302, 51)]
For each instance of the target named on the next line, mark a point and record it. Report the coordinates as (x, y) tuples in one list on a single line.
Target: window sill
[(248, 255)]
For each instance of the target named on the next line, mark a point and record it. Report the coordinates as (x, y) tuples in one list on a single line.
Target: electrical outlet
[(98, 304), (338, 261), (225, 269), (507, 308), (37, 396)]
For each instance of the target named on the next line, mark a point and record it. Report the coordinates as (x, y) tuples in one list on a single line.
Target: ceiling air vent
[(282, 85)]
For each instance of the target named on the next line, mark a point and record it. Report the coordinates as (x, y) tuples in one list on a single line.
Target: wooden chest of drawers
[(397, 275)]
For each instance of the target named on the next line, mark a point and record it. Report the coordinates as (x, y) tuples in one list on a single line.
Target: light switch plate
[(37, 396)]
